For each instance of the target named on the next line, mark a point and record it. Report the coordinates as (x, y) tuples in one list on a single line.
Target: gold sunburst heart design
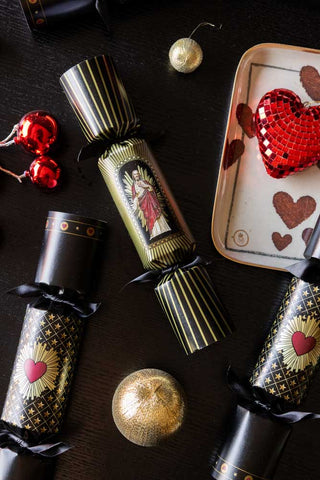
[(295, 356), (36, 370)]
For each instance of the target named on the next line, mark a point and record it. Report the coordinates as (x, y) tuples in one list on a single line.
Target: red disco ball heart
[(288, 133), (37, 132)]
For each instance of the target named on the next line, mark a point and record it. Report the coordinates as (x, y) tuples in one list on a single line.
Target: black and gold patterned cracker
[(49, 344), (291, 353), (43, 371), (280, 380), (139, 189)]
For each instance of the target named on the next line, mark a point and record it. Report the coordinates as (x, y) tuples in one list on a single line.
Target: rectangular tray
[(244, 219)]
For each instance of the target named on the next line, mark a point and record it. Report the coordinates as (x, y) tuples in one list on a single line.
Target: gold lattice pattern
[(290, 354), (38, 390)]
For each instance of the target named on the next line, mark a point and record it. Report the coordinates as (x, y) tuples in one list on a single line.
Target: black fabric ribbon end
[(308, 270), (156, 275), (49, 298), (254, 400), (23, 442)]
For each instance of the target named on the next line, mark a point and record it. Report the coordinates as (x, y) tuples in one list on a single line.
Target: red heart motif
[(310, 80), (245, 119), (288, 133), (280, 241), (233, 151), (306, 234), (33, 370), (293, 213), (302, 344)]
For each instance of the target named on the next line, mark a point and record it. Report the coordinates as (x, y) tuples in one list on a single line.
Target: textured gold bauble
[(185, 55), (148, 406)]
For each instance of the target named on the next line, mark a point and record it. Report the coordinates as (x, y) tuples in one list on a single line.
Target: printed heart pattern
[(34, 370), (281, 242), (302, 344), (288, 133), (245, 119), (293, 213), (310, 79), (233, 151), (306, 234)]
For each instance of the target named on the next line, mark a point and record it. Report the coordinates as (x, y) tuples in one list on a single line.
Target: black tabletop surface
[(130, 331)]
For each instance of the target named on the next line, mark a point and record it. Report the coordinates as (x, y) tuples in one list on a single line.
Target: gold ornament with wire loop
[(185, 54)]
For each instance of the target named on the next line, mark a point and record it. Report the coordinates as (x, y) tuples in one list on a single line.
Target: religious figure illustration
[(146, 201)]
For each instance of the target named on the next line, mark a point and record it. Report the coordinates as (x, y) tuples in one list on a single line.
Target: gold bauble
[(185, 55), (148, 406)]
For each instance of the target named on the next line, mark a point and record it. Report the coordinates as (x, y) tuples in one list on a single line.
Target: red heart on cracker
[(233, 151), (281, 242), (293, 213), (310, 79), (288, 133), (33, 370), (245, 119), (302, 344)]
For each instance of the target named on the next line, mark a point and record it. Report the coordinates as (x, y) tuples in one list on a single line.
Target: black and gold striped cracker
[(145, 203)]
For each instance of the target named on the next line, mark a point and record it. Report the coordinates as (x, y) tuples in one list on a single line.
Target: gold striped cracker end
[(196, 315), (99, 100)]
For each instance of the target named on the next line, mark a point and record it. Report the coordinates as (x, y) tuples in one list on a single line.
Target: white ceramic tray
[(245, 225)]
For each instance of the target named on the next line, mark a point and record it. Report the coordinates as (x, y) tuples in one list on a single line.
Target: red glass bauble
[(45, 173), (37, 132), (288, 133)]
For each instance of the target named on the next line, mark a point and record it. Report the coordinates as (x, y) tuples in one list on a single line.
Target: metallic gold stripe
[(192, 311), (84, 97), (188, 273), (94, 101), (166, 307), (212, 295), (213, 315), (74, 234), (178, 316), (101, 100), (108, 96), (241, 470), (184, 313), (123, 128), (76, 221), (72, 98), (125, 101)]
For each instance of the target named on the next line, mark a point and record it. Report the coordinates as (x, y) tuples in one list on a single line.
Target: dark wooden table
[(130, 331)]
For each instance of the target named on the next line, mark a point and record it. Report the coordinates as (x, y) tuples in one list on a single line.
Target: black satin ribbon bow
[(308, 270), (22, 442), (48, 298), (156, 275), (253, 400)]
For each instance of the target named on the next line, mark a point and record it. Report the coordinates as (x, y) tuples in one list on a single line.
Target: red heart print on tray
[(245, 119), (293, 213), (34, 370), (302, 344), (233, 151), (310, 79), (306, 234), (281, 242), (288, 133)]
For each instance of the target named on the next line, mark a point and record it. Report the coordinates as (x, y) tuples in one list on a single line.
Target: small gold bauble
[(185, 55), (148, 406)]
